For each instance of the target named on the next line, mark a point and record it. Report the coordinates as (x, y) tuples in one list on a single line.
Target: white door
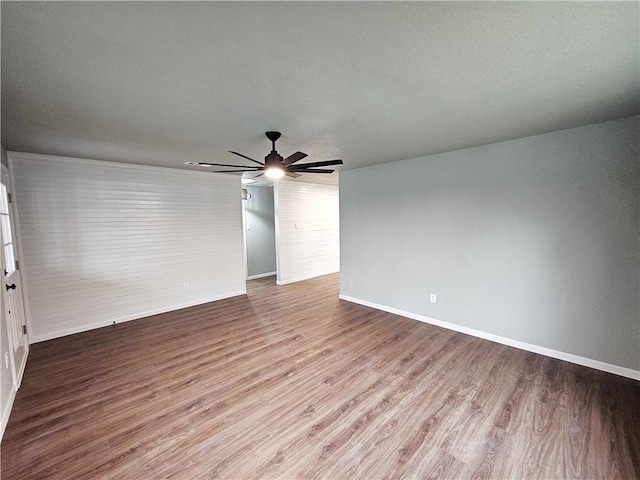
[(11, 290)]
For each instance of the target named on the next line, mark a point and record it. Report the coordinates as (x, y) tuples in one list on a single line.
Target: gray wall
[(261, 240), (536, 240)]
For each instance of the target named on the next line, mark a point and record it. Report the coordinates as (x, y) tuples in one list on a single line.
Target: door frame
[(17, 370)]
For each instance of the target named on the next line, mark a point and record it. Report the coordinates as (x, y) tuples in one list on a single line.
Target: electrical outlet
[(186, 285), (432, 298), (6, 359)]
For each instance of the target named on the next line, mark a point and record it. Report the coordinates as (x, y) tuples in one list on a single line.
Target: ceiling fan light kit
[(274, 172), (274, 166)]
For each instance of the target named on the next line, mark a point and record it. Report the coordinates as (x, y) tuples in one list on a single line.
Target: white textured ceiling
[(160, 83)]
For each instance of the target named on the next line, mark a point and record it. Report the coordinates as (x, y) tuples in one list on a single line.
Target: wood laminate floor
[(290, 382)]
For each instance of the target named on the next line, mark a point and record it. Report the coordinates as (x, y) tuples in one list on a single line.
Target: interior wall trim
[(128, 318), (568, 357), (261, 275), (7, 411)]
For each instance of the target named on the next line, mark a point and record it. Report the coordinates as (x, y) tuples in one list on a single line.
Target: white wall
[(105, 242), (532, 242), (261, 236), (307, 230)]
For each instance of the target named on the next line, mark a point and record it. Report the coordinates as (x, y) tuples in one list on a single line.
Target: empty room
[(328, 240)]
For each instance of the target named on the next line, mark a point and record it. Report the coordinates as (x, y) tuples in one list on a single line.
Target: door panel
[(11, 289), (14, 314)]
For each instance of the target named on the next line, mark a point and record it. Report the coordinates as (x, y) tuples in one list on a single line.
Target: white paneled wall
[(307, 230), (104, 242)]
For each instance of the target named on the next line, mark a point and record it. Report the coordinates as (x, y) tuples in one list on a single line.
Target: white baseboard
[(261, 275), (568, 357), (105, 323), (6, 412), (306, 277)]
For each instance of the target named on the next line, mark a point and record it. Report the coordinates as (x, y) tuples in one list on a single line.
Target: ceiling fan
[(274, 166)]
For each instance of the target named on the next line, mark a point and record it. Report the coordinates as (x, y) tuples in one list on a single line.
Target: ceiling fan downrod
[(273, 136)]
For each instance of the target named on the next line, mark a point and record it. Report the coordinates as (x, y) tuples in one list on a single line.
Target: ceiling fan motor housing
[(273, 158)]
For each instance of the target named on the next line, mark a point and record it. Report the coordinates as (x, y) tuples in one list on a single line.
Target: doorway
[(259, 214)]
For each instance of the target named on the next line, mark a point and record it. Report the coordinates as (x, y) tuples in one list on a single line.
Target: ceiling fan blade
[(248, 158), (312, 170), (325, 163), (291, 174), (293, 158), (240, 170), (223, 165), (259, 175)]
